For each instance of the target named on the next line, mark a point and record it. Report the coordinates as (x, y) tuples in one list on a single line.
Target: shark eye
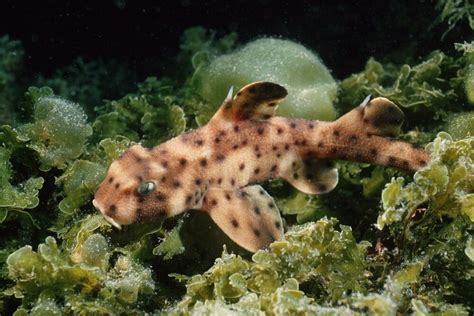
[(146, 187)]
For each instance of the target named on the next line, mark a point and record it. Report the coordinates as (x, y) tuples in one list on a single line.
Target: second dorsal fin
[(255, 101)]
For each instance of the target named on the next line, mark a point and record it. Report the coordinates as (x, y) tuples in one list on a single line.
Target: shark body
[(214, 168)]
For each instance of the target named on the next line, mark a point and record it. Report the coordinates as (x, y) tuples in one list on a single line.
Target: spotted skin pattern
[(215, 168)]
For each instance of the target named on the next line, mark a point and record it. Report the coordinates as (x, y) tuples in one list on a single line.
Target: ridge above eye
[(146, 187)]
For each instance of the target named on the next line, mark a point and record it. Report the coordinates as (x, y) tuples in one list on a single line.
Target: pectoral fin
[(248, 216), (312, 176)]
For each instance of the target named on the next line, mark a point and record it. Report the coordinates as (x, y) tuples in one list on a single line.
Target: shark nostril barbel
[(215, 168)]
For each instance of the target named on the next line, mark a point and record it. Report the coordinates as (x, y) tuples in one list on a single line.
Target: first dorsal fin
[(255, 101)]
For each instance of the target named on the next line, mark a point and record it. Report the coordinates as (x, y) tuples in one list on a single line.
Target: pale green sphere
[(311, 88)]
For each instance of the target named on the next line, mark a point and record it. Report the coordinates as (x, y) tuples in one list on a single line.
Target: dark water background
[(145, 34)]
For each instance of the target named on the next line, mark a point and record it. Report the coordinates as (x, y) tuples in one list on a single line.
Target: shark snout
[(108, 218)]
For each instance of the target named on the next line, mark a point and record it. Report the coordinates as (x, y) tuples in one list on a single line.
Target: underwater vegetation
[(383, 242)]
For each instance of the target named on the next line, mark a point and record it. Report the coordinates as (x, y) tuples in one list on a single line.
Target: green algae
[(311, 88)]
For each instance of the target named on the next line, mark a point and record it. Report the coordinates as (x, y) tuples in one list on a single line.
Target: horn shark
[(214, 168)]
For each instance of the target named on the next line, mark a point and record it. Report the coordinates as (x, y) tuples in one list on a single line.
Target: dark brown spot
[(258, 155), (293, 164), (369, 135), (235, 146), (260, 131), (161, 197), (278, 155), (256, 232), (293, 125), (139, 178), (274, 147), (274, 168), (271, 205), (227, 196), (164, 164), (322, 188), (236, 128), (219, 181), (257, 148), (320, 144), (242, 166), (137, 158), (163, 179), (333, 151), (235, 223), (287, 146), (272, 104), (295, 175), (373, 151), (189, 197), (222, 133), (422, 162), (203, 162), (117, 185), (112, 210), (311, 125), (256, 171), (266, 116), (391, 160), (277, 224), (141, 199), (244, 142), (197, 181), (405, 163), (261, 192), (176, 184), (199, 142), (279, 130), (111, 179), (257, 210), (303, 142), (128, 192), (214, 202), (220, 157), (183, 162), (163, 152), (336, 133), (232, 181), (353, 138), (217, 140)]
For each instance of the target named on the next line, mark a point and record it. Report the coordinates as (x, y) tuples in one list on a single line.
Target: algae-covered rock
[(59, 131), (311, 88), (461, 125)]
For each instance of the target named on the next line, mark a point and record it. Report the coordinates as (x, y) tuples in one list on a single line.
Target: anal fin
[(312, 176), (248, 216)]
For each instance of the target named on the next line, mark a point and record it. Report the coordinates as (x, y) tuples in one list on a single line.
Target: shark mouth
[(108, 218)]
